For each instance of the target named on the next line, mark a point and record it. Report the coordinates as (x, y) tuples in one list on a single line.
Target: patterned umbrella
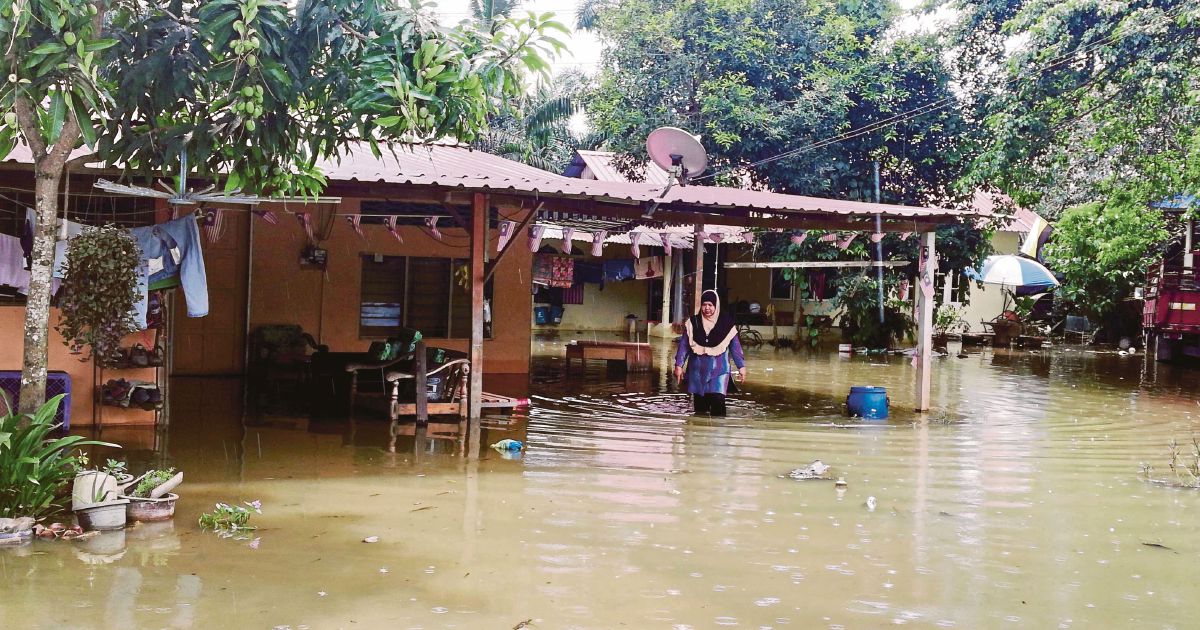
[(1023, 275)]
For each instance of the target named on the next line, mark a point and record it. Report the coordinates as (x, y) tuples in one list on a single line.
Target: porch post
[(925, 293), (668, 276), (698, 247), (479, 219), (1189, 230)]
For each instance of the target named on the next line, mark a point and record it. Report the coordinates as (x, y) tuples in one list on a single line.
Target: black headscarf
[(719, 334)]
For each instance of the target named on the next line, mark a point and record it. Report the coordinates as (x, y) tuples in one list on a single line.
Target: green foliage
[(536, 129), (755, 79), (1103, 250), (99, 290), (151, 480), (228, 520), (949, 317), (1091, 93), (35, 468), (858, 301)]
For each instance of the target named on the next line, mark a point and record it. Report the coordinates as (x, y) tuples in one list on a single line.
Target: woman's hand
[(741, 375), (678, 373)]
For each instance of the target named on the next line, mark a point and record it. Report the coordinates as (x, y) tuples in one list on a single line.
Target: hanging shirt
[(12, 263), (617, 270), (172, 256)]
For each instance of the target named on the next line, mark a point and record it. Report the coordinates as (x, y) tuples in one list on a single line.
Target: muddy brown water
[(1016, 503)]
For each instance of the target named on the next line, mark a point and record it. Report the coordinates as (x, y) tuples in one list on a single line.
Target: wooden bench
[(636, 356)]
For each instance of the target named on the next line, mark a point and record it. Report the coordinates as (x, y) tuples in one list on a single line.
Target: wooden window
[(781, 287), (432, 295)]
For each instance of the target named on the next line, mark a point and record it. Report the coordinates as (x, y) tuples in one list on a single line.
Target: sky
[(583, 47)]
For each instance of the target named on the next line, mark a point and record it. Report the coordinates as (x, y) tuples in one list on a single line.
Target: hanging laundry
[(355, 221), (267, 215), (598, 242), (567, 235), (178, 258), (666, 242), (828, 238), (554, 271), (748, 237), (573, 295), (816, 285), (305, 220), (904, 235), (844, 243), (535, 237), (634, 239), (618, 270), (390, 223), (798, 238), (506, 232), (214, 225), (432, 224), (589, 272), (876, 237), (902, 290), (12, 263), (648, 267)]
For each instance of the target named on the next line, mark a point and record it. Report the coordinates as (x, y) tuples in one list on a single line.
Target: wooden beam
[(811, 264), (420, 384), (925, 298), (513, 239), (479, 209)]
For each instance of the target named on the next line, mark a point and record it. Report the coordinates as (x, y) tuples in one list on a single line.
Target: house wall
[(12, 348), (326, 303), (987, 301)]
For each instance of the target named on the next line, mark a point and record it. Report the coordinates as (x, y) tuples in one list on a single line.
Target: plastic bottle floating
[(509, 445)]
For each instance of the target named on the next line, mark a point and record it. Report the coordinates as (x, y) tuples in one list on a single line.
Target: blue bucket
[(867, 402), (541, 315)]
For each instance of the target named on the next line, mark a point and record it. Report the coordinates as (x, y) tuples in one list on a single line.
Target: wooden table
[(636, 356)]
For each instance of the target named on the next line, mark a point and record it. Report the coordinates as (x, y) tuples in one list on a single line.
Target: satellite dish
[(677, 152)]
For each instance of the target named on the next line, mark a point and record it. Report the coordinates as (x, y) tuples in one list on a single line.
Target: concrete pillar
[(479, 224), (1188, 235), (668, 277), (698, 244), (925, 294)]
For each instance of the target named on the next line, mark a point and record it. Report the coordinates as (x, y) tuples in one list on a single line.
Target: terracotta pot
[(151, 510)]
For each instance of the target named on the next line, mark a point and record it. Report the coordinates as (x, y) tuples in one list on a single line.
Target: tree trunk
[(37, 304)]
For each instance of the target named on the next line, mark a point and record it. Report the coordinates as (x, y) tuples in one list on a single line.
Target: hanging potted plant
[(99, 291), (150, 497)]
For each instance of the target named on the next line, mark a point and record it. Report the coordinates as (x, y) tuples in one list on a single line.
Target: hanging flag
[(506, 230), (701, 236), (902, 290), (666, 242), (716, 237), (355, 221), (598, 242), (567, 235), (876, 237), (634, 239), (305, 220), (904, 235), (798, 238), (535, 237), (214, 225), (925, 271), (390, 223), (844, 243), (748, 237), (266, 215), (828, 238), (431, 223)]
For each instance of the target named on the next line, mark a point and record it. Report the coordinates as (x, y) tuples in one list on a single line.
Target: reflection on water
[(1015, 503)]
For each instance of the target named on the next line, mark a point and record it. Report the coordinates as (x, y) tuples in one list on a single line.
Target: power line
[(932, 106)]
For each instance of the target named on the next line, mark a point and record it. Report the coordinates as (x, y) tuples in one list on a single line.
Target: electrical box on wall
[(314, 257)]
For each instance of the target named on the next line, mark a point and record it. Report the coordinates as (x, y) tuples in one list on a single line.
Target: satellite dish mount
[(677, 152)]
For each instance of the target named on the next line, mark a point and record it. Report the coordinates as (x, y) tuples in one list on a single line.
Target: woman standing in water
[(708, 343)]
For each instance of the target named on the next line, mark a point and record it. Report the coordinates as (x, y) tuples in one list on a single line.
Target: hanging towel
[(12, 263), (573, 295), (618, 270), (649, 267), (562, 272)]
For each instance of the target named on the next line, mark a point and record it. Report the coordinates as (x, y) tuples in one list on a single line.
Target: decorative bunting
[(535, 237), (828, 238), (798, 239), (266, 215), (390, 223), (567, 235), (876, 237), (716, 237), (634, 239), (748, 238), (214, 224), (355, 221), (904, 235), (844, 243), (701, 236), (305, 220), (431, 223), (666, 242), (506, 230), (598, 242)]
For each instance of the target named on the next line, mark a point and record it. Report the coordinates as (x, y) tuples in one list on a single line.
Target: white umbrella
[(1024, 275)]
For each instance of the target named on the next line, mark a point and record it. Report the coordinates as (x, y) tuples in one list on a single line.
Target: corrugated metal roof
[(474, 170), (984, 203), (599, 164)]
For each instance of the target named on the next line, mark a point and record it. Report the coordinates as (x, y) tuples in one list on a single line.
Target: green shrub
[(35, 468), (152, 480)]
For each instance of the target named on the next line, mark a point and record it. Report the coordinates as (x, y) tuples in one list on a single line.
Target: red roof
[(985, 205)]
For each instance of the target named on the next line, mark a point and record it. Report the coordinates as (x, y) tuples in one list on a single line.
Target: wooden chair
[(280, 363)]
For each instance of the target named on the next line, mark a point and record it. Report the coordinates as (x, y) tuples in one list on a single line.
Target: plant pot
[(151, 510), (16, 539), (106, 516), (91, 485)]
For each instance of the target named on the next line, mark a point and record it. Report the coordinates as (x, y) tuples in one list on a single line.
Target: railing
[(1161, 276)]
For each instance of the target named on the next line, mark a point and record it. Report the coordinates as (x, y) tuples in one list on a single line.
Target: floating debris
[(815, 470), (371, 539), (523, 624), (871, 504), (841, 482)]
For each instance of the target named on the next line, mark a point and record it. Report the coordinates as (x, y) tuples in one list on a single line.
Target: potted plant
[(947, 319), (150, 497), (95, 496), (34, 468), (99, 291)]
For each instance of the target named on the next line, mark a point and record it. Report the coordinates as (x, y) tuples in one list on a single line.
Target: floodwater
[(1017, 502)]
